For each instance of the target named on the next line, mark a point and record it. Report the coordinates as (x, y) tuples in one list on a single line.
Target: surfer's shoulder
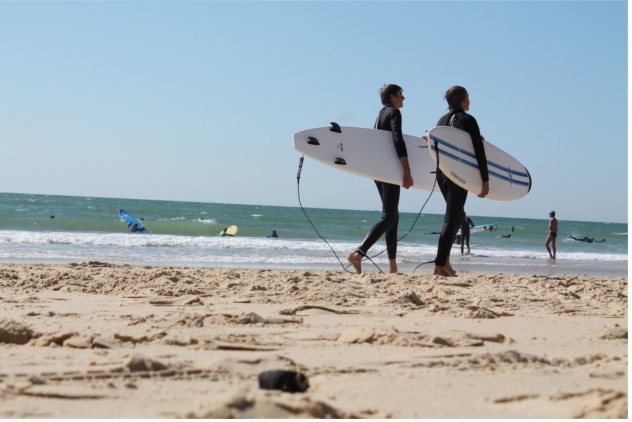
[(393, 112)]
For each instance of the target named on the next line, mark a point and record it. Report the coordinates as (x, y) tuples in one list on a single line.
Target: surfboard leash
[(365, 258), (298, 188), (434, 185), (414, 222)]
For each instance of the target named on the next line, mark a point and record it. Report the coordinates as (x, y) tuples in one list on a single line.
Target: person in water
[(390, 119), (550, 239), (223, 232), (458, 104), (465, 232), (587, 239), (273, 234), (584, 239)]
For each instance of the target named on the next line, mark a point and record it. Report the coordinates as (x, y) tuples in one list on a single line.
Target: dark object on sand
[(289, 381), (14, 332)]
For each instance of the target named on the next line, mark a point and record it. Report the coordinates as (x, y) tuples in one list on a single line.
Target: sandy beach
[(94, 340)]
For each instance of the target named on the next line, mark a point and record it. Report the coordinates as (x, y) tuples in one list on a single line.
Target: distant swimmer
[(550, 239), (508, 235), (223, 232), (273, 234), (586, 239), (52, 216)]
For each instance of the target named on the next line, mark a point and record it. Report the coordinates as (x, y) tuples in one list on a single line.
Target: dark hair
[(455, 96), (387, 91), (552, 213)]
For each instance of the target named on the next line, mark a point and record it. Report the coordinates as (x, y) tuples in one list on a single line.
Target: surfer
[(273, 234), (465, 232), (458, 104), (586, 239), (223, 232), (389, 118), (550, 239)]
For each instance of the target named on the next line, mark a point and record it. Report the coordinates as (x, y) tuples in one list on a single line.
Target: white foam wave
[(264, 249)]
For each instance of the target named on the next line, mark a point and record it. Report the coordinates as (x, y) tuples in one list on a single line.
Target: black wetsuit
[(453, 194), (390, 118)]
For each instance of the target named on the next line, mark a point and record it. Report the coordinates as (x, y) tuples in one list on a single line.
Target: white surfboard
[(508, 178), (368, 153), (481, 228)]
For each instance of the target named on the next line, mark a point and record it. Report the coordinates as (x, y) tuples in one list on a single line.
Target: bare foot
[(440, 271), (448, 268), (392, 264), (355, 258)]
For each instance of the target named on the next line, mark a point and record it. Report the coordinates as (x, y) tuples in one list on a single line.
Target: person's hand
[(408, 181), (485, 190)]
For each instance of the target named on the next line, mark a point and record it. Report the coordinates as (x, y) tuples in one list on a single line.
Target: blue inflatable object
[(132, 222)]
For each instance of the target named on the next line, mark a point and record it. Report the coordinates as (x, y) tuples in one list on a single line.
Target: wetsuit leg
[(455, 197), (467, 237), (389, 194)]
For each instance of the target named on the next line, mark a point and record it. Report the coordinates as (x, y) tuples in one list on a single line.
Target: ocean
[(186, 233)]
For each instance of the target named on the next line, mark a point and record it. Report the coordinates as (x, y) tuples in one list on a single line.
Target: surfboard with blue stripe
[(509, 179)]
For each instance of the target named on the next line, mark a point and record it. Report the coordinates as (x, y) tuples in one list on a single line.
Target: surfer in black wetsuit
[(389, 118), (455, 196), (465, 232)]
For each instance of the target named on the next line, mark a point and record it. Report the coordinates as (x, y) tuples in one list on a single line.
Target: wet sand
[(99, 341)]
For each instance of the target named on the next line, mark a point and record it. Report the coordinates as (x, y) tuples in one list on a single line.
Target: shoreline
[(107, 340), (462, 264)]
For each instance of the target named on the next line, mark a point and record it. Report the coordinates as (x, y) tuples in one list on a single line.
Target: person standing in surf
[(389, 118), (465, 233), (454, 195), (550, 239)]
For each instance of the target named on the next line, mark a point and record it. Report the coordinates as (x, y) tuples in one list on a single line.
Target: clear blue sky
[(199, 101)]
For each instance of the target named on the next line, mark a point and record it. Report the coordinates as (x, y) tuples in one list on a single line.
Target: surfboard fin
[(340, 161), (335, 127), (312, 141)]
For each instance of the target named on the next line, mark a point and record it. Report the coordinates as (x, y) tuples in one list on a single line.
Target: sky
[(199, 101)]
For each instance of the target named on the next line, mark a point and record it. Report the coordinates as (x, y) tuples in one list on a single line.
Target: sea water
[(186, 233)]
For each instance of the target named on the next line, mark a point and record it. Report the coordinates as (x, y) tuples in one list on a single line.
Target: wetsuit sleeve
[(471, 126), (396, 129)]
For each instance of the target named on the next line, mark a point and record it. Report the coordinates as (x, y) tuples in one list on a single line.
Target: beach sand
[(94, 340)]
